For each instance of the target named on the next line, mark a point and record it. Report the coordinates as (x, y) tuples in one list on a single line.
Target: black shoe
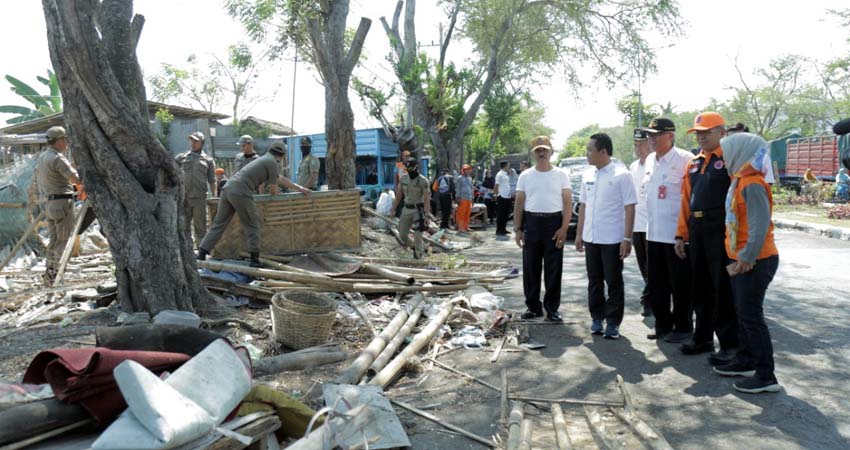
[(735, 369), (693, 348), (554, 317), (756, 385), (658, 335), (531, 315), (202, 254), (677, 337), (722, 357)]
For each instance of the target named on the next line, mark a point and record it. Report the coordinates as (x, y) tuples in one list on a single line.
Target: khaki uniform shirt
[(309, 165), (52, 172), (414, 190), (242, 160), (260, 171), (198, 172)]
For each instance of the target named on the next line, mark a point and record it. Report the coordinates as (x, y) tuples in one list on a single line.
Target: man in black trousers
[(541, 218), (502, 192), (446, 192)]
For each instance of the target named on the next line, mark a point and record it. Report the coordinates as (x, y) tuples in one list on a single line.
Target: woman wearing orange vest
[(753, 260)]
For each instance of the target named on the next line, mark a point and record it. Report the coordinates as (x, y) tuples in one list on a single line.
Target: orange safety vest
[(739, 208)]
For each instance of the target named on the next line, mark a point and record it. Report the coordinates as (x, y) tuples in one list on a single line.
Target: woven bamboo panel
[(294, 223)]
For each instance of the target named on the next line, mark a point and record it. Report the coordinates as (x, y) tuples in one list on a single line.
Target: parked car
[(576, 166)]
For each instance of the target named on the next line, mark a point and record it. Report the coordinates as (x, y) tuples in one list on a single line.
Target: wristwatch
[(628, 239)]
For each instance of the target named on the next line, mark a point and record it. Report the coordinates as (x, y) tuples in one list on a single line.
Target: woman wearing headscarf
[(842, 185), (753, 260)]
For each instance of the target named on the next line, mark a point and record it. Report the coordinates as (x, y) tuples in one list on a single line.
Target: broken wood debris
[(441, 422)]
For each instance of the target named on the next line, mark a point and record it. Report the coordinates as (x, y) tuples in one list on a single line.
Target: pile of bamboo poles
[(370, 278)]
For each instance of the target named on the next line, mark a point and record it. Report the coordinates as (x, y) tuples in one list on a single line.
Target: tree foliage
[(506, 126), (40, 104), (206, 85)]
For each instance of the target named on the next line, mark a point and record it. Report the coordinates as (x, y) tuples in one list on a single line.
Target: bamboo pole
[(366, 288), (355, 371), (525, 430), (438, 421), (296, 361), (388, 274), (560, 426), (13, 205), (419, 341), (69, 247), (23, 239), (504, 403), (389, 221), (514, 427), (594, 419), (569, 401), (628, 415), (395, 343), (274, 274), (47, 435), (285, 267)]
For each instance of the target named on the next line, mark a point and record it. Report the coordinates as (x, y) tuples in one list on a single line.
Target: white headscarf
[(745, 154)]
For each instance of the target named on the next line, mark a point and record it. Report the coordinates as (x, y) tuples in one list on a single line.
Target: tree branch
[(323, 60), (356, 46), (444, 46)]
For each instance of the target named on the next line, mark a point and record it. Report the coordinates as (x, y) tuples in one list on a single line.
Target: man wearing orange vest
[(754, 260), (701, 225)]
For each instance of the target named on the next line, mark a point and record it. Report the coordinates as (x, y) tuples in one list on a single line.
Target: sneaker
[(722, 357), (735, 369), (612, 331), (531, 315), (596, 327), (554, 317), (693, 348), (677, 337), (756, 385)]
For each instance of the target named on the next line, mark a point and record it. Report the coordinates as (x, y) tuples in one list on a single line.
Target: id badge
[(662, 191)]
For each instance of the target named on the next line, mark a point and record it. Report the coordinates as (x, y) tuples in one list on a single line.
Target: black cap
[(659, 125), (306, 140), (738, 127), (277, 148), (639, 135), (412, 161)]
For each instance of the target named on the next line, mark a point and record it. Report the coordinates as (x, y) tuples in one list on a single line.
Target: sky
[(692, 68)]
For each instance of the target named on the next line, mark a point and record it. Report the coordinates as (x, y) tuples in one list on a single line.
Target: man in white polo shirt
[(541, 218), (667, 273), (503, 199), (638, 170), (605, 222)]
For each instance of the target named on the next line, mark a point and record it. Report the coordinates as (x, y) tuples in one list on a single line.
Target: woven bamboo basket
[(302, 319)]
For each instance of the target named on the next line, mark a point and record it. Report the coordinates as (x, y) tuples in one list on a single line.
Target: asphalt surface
[(678, 395)]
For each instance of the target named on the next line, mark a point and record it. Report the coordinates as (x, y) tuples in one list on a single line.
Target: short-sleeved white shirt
[(663, 193), (543, 190), (604, 194), (638, 172), (504, 183)]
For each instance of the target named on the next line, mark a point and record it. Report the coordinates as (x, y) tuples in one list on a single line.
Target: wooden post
[(23, 239), (560, 426), (353, 373), (69, 246), (391, 348), (419, 341)]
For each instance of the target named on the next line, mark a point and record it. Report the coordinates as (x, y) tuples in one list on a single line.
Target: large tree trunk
[(133, 181), (339, 130)]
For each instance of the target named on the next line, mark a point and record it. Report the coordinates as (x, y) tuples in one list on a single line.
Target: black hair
[(503, 164), (602, 141)]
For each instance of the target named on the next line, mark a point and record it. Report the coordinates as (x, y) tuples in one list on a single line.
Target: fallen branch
[(438, 421)]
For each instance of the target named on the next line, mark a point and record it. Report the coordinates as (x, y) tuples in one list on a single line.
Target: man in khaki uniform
[(56, 178), (415, 192), (308, 170), (198, 175), (246, 144), (238, 198)]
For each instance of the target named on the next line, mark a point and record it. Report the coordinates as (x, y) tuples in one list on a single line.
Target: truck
[(818, 153)]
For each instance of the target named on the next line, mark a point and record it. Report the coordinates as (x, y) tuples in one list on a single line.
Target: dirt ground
[(677, 395)]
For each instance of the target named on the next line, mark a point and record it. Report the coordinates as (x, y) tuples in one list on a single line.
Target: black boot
[(202, 254), (255, 259)]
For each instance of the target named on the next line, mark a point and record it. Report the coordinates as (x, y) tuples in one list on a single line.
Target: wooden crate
[(294, 223)]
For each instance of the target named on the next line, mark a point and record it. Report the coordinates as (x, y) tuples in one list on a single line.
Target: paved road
[(677, 394)]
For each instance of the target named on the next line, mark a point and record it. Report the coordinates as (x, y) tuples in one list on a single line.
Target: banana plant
[(41, 105)]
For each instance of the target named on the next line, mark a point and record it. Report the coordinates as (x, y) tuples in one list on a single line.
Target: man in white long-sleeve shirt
[(667, 274), (638, 170)]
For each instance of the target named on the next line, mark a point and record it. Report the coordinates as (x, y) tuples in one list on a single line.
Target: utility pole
[(290, 156)]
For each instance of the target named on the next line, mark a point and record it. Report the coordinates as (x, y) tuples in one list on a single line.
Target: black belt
[(60, 196), (716, 212), (540, 214), (413, 206)]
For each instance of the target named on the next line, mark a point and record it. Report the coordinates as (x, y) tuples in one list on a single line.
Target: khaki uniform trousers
[(234, 201), (410, 218), (60, 221), (198, 212)]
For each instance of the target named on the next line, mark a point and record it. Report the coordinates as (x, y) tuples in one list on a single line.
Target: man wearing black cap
[(238, 198), (414, 195), (198, 176), (666, 273), (308, 170), (638, 171)]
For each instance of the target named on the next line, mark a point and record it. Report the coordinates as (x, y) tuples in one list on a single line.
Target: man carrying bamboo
[(56, 179)]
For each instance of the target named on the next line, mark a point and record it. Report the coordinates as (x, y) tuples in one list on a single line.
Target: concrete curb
[(816, 229)]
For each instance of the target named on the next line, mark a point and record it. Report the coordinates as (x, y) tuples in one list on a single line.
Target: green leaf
[(26, 91), (14, 109)]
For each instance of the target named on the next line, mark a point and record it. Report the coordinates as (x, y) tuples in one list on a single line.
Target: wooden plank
[(255, 430)]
